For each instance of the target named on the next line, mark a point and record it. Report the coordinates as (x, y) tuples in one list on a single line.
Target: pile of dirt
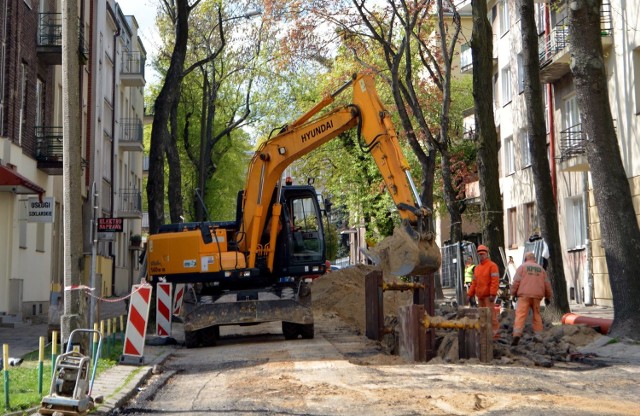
[(342, 293)]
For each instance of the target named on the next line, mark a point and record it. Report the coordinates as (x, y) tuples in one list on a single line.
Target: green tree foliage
[(211, 124)]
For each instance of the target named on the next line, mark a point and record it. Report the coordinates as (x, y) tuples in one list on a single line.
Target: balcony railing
[(572, 142), (49, 43), (131, 134), (554, 43), (558, 40), (50, 29), (132, 70), (48, 144), (130, 203)]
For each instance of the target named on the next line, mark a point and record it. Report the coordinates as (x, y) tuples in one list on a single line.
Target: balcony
[(49, 149), (553, 50), (132, 73), (131, 135), (573, 149), (49, 45), (130, 203)]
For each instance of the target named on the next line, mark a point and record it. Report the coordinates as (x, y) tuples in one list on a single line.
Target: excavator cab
[(300, 247)]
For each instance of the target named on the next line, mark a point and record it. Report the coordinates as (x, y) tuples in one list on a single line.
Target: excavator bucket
[(404, 253)]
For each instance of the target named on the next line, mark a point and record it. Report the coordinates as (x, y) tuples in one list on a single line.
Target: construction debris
[(342, 292)]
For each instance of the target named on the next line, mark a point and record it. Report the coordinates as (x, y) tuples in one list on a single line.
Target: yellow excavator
[(255, 269)]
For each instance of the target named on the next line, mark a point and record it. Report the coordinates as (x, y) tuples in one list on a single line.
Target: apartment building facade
[(583, 255), (111, 78)]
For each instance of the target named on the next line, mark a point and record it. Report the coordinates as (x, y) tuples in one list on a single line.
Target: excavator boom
[(411, 250)]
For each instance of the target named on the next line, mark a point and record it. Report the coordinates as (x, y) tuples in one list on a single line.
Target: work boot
[(515, 341)]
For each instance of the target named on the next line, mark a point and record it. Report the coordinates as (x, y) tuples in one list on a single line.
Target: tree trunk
[(175, 170), (545, 201), (162, 108), (490, 198), (618, 222)]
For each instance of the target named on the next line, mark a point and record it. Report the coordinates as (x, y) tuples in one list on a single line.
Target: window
[(525, 153), (545, 100), (23, 101), (107, 149), (40, 237), (495, 91), (509, 156), (465, 57), (22, 228), (520, 60), (530, 218), (572, 121), (540, 18), (512, 230), (506, 85), (504, 17), (636, 73), (39, 102), (576, 225)]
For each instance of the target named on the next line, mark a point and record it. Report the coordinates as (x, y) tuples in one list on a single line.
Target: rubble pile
[(558, 343), (342, 293)]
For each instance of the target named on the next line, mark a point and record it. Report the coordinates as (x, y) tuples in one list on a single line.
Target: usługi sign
[(40, 211)]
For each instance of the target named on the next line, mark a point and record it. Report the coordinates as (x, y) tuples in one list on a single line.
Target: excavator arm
[(303, 136)]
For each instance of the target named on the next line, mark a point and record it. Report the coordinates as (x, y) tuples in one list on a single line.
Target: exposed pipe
[(601, 325)]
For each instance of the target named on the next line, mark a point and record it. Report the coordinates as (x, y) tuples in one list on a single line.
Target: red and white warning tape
[(88, 291)]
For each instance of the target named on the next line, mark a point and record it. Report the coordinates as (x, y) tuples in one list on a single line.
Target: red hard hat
[(483, 248)]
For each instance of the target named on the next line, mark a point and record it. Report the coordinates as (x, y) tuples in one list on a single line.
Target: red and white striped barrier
[(177, 302), (133, 351), (163, 310)]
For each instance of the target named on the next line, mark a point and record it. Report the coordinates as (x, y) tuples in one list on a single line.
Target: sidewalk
[(117, 384), (25, 338)]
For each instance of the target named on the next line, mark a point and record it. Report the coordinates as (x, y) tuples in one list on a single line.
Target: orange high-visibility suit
[(530, 285), (484, 285)]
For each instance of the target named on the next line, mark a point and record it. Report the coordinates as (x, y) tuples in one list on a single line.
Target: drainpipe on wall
[(552, 135), (90, 103), (114, 153), (588, 274)]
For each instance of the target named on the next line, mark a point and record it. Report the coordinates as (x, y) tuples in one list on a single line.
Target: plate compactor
[(72, 380)]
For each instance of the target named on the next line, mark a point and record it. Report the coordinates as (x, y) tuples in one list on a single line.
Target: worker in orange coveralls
[(530, 285), (485, 285)]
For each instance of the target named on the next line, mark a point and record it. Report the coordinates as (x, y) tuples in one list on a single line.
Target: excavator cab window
[(307, 241)]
